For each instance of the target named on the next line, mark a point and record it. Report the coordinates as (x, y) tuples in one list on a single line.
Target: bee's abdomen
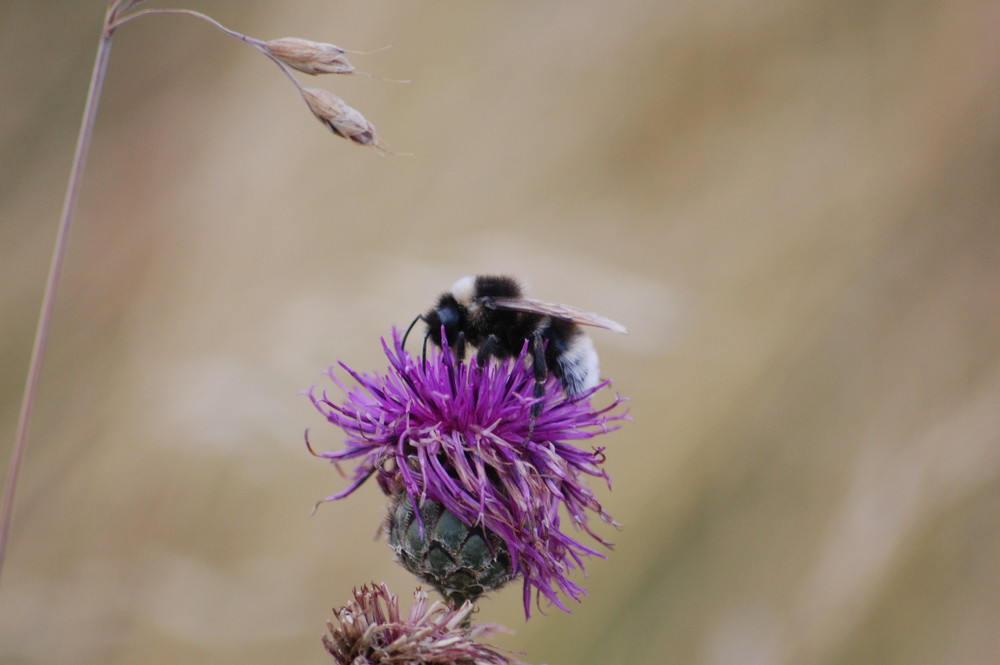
[(577, 365)]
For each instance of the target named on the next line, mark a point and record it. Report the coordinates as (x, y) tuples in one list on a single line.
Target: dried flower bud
[(342, 119), (372, 630), (308, 56)]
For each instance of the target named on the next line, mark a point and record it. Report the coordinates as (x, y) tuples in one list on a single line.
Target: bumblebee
[(491, 313)]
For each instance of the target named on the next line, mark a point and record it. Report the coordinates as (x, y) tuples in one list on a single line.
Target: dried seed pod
[(308, 56), (342, 119)]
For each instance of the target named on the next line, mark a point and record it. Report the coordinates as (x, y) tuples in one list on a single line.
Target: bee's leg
[(460, 347), (541, 375), (487, 350)]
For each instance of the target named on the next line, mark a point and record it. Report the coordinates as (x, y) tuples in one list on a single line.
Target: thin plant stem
[(190, 12), (256, 43), (52, 284), (113, 20)]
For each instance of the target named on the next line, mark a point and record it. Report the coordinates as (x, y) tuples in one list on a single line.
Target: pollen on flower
[(462, 435)]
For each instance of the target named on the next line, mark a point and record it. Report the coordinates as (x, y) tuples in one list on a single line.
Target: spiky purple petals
[(462, 435), (371, 630)]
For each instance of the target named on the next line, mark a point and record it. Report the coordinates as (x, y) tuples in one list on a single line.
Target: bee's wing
[(564, 312)]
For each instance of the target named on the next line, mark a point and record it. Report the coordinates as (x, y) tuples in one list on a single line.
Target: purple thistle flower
[(461, 435), (371, 630)]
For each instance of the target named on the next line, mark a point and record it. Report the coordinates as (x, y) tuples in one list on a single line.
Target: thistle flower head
[(462, 435), (371, 631)]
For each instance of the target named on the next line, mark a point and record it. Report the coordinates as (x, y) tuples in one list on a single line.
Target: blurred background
[(793, 206)]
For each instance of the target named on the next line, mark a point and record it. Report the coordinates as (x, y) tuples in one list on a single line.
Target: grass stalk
[(72, 197)]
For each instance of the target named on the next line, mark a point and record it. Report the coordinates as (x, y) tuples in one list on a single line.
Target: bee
[(491, 313)]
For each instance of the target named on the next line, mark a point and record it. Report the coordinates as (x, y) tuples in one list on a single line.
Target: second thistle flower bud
[(461, 562)]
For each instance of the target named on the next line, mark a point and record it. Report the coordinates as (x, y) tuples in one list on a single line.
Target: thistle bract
[(462, 435), (462, 562)]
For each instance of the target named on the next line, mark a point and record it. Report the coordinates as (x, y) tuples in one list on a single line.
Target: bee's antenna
[(423, 353), (407, 333)]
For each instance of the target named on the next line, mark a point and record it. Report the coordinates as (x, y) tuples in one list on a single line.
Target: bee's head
[(449, 314)]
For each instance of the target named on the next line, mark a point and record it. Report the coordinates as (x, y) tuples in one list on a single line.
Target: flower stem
[(52, 285)]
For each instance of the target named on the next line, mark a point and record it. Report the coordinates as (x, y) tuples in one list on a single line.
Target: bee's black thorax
[(497, 286)]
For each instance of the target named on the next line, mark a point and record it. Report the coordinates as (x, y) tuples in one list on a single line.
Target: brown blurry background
[(794, 207)]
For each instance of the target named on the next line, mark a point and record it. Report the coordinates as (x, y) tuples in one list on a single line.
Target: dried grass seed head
[(308, 56), (341, 119)]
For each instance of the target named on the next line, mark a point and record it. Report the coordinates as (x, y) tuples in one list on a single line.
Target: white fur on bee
[(464, 290), (579, 366)]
